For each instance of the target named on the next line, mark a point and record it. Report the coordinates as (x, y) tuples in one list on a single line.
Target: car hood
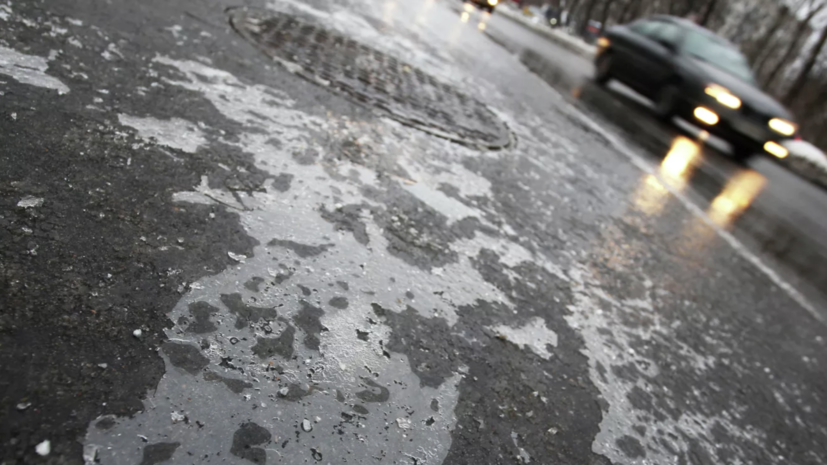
[(746, 91)]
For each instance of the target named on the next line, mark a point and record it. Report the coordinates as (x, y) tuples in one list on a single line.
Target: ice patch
[(175, 133), (29, 69), (533, 335), (30, 202), (609, 338), (5, 12)]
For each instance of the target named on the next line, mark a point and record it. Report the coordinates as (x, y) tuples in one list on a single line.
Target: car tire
[(666, 102), (603, 68)]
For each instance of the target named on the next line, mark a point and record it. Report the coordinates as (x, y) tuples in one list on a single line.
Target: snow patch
[(176, 133), (29, 69)]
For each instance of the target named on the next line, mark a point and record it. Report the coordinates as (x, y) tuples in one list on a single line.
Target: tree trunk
[(761, 46), (710, 7), (627, 10), (571, 11), (802, 28), (804, 73), (585, 17), (607, 7), (690, 8)]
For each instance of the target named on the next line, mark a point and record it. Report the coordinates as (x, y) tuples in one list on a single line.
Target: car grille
[(753, 115)]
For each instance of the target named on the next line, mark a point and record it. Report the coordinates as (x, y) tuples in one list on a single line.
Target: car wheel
[(603, 68), (666, 102)]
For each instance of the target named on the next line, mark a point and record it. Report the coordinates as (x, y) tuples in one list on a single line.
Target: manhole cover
[(372, 78)]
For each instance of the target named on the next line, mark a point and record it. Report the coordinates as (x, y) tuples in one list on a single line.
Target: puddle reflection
[(738, 194), (676, 169), (680, 162)]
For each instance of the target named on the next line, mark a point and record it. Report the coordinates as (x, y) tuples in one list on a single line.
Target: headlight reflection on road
[(676, 169), (679, 163), (738, 194)]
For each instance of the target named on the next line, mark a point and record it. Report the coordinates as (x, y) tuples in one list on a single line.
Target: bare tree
[(604, 18), (707, 15), (628, 11), (586, 16), (793, 45), (572, 9), (804, 72), (760, 48)]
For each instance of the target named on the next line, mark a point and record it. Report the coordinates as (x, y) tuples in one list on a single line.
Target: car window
[(647, 28), (718, 53), (667, 33)]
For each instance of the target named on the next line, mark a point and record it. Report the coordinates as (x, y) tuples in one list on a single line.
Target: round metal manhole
[(372, 78)]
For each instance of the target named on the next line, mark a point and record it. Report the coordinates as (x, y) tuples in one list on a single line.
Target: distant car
[(592, 31), (690, 72), (487, 5)]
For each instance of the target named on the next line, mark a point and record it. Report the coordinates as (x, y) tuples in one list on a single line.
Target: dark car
[(690, 72), (484, 4)]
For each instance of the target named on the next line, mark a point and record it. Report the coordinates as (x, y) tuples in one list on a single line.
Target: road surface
[(362, 231), (779, 216)]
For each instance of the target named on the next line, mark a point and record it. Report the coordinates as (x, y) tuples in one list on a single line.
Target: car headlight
[(493, 2), (782, 126), (723, 96), (776, 149)]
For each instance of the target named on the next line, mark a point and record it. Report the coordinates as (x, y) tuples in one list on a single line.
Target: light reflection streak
[(676, 169), (738, 194)]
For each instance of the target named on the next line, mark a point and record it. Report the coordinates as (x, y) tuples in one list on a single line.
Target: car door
[(631, 49), (657, 56)]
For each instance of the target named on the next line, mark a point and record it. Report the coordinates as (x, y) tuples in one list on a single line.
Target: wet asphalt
[(216, 251), (780, 215)]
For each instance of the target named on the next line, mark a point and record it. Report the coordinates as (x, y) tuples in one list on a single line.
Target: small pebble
[(284, 391), (102, 365), (403, 423), (23, 406), (43, 448), (307, 426), (137, 333)]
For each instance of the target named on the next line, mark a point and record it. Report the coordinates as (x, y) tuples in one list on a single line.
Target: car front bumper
[(739, 127)]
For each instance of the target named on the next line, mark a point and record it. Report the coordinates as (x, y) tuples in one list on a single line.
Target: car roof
[(693, 26)]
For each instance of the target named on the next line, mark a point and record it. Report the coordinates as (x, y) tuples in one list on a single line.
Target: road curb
[(569, 43)]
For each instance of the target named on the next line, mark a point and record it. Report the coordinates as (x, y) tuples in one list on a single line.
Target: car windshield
[(719, 54)]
